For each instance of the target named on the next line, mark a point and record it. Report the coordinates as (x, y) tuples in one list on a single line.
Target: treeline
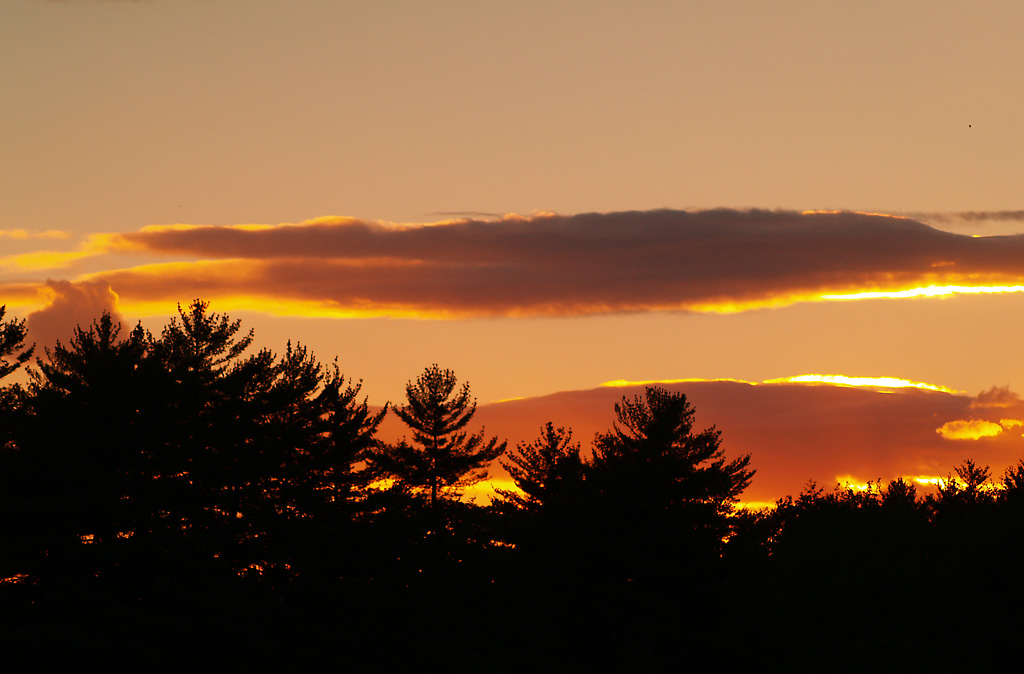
[(179, 487)]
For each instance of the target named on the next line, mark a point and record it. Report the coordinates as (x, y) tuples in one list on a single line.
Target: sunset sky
[(548, 196)]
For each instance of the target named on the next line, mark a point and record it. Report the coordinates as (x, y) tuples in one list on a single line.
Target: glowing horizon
[(811, 379), (925, 291)]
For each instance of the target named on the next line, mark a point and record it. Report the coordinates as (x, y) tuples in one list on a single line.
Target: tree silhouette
[(665, 491), (83, 453), (975, 488), (653, 453), (12, 338), (444, 456), (181, 455), (546, 470)]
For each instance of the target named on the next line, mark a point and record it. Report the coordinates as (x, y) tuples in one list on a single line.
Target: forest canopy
[(190, 466)]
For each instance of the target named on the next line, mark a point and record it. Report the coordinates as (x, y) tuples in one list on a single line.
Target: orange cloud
[(70, 306), (551, 265), (23, 234), (997, 396), (793, 431), (969, 429)]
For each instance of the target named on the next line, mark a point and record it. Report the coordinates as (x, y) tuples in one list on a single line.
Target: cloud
[(547, 264), (969, 429), (977, 217), (997, 396), (71, 306), (590, 263), (22, 234), (794, 432)]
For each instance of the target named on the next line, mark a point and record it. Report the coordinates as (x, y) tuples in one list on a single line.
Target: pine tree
[(444, 456), (12, 338), (180, 454), (652, 452), (663, 492), (546, 470)]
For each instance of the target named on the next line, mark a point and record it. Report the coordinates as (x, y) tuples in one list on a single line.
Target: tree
[(444, 455), (652, 453), (180, 454), (663, 490), (79, 461), (12, 338), (546, 470), (975, 489)]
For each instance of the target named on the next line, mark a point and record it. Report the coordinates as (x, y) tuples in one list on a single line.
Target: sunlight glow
[(44, 259), (870, 382), (755, 505), (969, 429), (884, 383), (22, 298), (851, 482), (22, 234), (877, 215), (927, 291), (649, 382), (281, 306)]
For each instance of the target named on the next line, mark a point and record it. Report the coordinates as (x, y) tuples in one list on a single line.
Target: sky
[(542, 196)]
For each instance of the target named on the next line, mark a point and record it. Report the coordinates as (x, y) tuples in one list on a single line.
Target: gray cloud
[(553, 264), (974, 218)]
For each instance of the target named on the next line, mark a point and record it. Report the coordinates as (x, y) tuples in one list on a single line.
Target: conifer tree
[(12, 338), (545, 470), (444, 456), (662, 491), (180, 453)]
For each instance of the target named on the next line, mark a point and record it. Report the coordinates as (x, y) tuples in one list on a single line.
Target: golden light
[(969, 429), (870, 382), (648, 382), (883, 383), (851, 482), (24, 297), (22, 234), (877, 215), (44, 259), (755, 505), (926, 291)]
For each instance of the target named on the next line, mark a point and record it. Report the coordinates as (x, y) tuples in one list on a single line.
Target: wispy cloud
[(547, 264), (977, 217), (23, 234)]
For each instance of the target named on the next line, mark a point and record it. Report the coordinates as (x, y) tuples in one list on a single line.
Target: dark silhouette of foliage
[(660, 493), (547, 470), (12, 339), (975, 487), (653, 450), (12, 356), (444, 457), (185, 488), (181, 455), (80, 455)]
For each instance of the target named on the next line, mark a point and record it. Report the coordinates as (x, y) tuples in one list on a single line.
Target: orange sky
[(796, 432), (733, 190)]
